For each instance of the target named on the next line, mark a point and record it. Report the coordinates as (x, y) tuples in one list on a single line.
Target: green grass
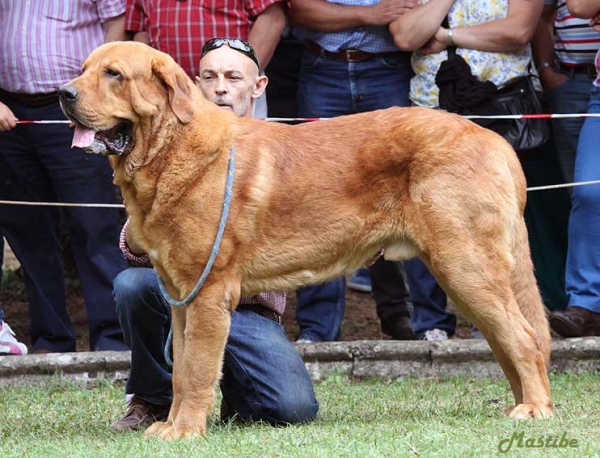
[(455, 417)]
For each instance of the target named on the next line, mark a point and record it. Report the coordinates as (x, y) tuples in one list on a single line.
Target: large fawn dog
[(310, 203)]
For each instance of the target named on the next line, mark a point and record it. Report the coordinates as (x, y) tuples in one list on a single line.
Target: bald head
[(230, 79)]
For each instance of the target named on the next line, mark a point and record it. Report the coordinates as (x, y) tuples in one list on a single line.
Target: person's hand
[(437, 43), (595, 22), (388, 11), (551, 79), (7, 119)]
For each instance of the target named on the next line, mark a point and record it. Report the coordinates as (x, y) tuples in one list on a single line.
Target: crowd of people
[(322, 59)]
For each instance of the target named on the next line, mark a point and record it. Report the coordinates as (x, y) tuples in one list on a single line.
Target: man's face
[(230, 79)]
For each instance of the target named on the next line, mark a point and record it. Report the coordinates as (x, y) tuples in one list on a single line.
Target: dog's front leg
[(197, 367), (178, 318)]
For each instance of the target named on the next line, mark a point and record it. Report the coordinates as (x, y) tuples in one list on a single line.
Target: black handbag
[(461, 92)]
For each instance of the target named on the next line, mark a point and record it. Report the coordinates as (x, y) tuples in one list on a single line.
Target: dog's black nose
[(68, 93)]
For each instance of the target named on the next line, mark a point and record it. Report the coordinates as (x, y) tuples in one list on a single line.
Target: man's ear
[(177, 82), (259, 86)]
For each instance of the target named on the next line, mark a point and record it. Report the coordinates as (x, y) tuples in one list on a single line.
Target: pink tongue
[(82, 137)]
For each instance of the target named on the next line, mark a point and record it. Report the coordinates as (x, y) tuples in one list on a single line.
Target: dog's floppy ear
[(176, 81)]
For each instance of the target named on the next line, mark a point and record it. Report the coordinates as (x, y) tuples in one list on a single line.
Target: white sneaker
[(303, 341), (435, 334), (9, 345)]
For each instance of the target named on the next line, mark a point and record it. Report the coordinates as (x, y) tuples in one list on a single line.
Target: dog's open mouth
[(116, 140)]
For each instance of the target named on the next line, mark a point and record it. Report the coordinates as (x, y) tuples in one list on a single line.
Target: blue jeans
[(264, 377), (37, 163), (429, 300), (572, 96), (329, 88), (583, 257)]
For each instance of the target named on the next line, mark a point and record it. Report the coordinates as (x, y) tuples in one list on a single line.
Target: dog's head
[(124, 86)]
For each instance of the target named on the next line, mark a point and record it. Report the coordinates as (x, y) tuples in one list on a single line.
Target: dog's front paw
[(173, 432), (155, 429), (531, 412)]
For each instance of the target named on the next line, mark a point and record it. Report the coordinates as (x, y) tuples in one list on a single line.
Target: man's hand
[(388, 11), (7, 119), (595, 22)]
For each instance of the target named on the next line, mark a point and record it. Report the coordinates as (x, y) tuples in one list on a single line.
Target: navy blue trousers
[(37, 163)]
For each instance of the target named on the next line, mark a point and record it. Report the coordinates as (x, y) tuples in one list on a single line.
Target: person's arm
[(266, 32), (414, 28), (136, 21), (502, 35), (115, 29), (131, 251), (142, 37), (330, 17), (585, 9), (542, 45)]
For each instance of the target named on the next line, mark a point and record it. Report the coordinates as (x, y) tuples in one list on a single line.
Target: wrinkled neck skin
[(145, 172)]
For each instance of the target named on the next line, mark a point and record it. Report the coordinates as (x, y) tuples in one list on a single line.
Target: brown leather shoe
[(140, 415), (575, 322)]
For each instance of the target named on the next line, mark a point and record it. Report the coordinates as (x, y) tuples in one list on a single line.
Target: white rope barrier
[(517, 116), (59, 204), (65, 204), (559, 186)]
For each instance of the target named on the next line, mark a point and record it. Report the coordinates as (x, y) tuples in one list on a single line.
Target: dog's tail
[(526, 290)]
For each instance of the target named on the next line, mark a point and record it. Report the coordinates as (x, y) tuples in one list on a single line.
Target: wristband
[(450, 37), (542, 66)]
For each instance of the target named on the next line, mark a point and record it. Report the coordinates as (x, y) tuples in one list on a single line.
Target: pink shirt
[(597, 82), (43, 43)]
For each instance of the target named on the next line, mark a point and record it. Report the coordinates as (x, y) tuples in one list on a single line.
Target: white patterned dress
[(499, 68)]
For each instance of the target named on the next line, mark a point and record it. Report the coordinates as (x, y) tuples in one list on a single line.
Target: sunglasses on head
[(233, 43)]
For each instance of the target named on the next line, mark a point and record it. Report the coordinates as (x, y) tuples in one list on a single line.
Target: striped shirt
[(43, 43), (373, 39), (180, 28), (575, 42)]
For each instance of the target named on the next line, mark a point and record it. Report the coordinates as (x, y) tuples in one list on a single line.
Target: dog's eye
[(112, 73)]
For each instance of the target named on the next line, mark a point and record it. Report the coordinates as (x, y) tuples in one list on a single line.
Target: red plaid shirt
[(180, 28)]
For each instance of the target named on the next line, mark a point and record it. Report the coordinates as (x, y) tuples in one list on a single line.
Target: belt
[(349, 55), (583, 69), (262, 311), (31, 100)]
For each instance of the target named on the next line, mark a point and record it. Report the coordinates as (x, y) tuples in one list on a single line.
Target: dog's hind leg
[(505, 363), (479, 278)]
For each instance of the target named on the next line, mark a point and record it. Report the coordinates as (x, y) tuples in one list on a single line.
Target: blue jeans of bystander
[(572, 96), (583, 257), (329, 88)]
